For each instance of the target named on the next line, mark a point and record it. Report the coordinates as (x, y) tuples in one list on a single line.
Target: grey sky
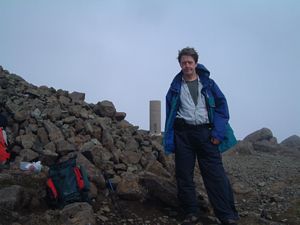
[(125, 52)]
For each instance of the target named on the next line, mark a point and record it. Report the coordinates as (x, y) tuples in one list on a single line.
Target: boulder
[(20, 116), (291, 142), (77, 213), (11, 197), (259, 135), (130, 157), (129, 188), (243, 148), (157, 168), (160, 188), (105, 109), (77, 97), (28, 140), (53, 131), (28, 155), (266, 146), (120, 116), (64, 147)]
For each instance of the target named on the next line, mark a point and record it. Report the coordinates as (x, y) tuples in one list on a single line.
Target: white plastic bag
[(34, 166)]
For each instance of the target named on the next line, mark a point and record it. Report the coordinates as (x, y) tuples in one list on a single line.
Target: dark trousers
[(191, 143)]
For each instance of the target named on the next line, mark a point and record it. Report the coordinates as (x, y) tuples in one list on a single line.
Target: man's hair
[(189, 52)]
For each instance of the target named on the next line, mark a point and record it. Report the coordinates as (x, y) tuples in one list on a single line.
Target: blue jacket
[(215, 102)]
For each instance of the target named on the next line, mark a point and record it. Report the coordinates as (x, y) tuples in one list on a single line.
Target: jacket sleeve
[(168, 137), (168, 103), (221, 113)]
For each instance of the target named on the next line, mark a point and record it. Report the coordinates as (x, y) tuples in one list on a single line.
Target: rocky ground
[(266, 186), (54, 125)]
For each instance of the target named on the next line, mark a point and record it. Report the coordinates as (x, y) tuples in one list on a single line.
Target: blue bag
[(229, 139)]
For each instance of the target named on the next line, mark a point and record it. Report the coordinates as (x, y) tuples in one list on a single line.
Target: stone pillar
[(155, 117)]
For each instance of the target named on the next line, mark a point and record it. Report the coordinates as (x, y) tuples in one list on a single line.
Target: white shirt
[(191, 113)]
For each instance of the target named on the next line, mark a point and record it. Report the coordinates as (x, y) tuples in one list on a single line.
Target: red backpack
[(4, 155)]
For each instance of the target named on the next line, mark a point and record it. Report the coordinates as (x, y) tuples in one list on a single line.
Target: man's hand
[(215, 141)]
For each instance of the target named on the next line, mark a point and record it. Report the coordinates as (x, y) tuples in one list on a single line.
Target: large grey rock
[(123, 124), (130, 189), (77, 97), (36, 113), (157, 168), (11, 106), (105, 109), (53, 113), (33, 92), (243, 148), (78, 213), (131, 144), (11, 197), (50, 146), (130, 157), (291, 142), (120, 116), (74, 110), (64, 147), (69, 119), (64, 100), (42, 135), (84, 114), (88, 128), (161, 188), (103, 122), (54, 132), (259, 135), (48, 157), (107, 139), (20, 116), (6, 178), (266, 146), (28, 155), (105, 154), (28, 140), (147, 158)]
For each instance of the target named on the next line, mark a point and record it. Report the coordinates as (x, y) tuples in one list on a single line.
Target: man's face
[(188, 65)]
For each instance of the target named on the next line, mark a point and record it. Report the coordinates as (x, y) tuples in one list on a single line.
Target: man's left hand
[(215, 141)]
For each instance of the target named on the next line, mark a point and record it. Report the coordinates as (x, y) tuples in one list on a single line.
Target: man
[(196, 119)]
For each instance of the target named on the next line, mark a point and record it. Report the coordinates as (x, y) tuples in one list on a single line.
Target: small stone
[(102, 218), (244, 213), (105, 209)]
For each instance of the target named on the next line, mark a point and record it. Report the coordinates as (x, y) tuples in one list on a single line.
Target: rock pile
[(53, 125)]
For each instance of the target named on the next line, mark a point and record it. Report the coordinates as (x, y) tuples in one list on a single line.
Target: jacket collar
[(202, 72)]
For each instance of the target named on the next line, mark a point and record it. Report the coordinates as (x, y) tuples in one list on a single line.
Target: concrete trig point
[(155, 117)]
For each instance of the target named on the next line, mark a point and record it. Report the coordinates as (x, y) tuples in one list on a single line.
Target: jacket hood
[(201, 70)]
